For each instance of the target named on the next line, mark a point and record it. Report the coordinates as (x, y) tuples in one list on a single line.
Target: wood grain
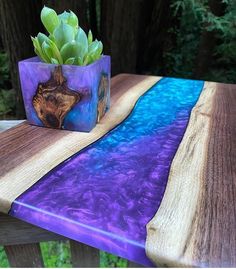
[(83, 256), (134, 265), (24, 256), (29, 152), (54, 99), (15, 232), (196, 222)]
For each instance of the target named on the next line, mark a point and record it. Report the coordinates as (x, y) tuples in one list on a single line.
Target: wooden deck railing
[(21, 240), (21, 243)]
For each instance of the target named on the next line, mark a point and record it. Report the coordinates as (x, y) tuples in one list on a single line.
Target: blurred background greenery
[(57, 255), (178, 38)]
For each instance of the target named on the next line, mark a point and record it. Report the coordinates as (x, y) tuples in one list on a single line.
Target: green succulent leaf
[(73, 20), (70, 18), (38, 49), (90, 37), (87, 59), (100, 48), (69, 50), (41, 38), (49, 19), (96, 46), (38, 53), (63, 34), (55, 51), (95, 50), (80, 61), (54, 61), (47, 50), (52, 38), (41, 56), (36, 43), (67, 42), (64, 16), (81, 39), (70, 61)]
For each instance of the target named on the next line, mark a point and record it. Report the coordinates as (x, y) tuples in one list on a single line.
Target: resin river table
[(153, 182)]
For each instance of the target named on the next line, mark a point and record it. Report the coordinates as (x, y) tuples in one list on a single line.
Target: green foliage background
[(190, 20), (196, 17), (7, 95), (57, 255)]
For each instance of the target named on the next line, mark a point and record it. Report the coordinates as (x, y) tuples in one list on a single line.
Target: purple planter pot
[(65, 96)]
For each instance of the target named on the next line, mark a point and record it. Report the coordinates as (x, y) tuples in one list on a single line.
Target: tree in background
[(17, 23), (204, 41), (121, 24), (181, 38)]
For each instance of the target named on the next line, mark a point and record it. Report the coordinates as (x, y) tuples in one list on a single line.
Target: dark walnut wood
[(29, 152), (53, 99), (26, 256), (84, 256), (215, 237), (195, 225), (15, 232), (196, 222), (20, 241), (25, 143)]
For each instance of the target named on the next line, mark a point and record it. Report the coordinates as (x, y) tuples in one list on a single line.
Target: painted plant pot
[(65, 96)]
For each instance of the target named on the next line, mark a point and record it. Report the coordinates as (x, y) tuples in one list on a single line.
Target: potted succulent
[(67, 86)]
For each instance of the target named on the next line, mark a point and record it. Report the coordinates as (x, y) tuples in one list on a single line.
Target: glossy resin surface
[(106, 194), (66, 96)]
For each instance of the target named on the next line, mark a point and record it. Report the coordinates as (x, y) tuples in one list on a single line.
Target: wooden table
[(163, 157), (21, 239)]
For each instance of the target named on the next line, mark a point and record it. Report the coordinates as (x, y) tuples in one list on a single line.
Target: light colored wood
[(24, 256), (29, 152), (15, 232), (173, 220), (84, 256), (195, 224)]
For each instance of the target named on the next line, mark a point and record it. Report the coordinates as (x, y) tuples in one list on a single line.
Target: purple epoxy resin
[(106, 194), (65, 96)]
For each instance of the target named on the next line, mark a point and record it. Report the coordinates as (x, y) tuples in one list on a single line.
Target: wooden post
[(17, 232), (83, 255), (134, 265), (28, 255), (20, 241)]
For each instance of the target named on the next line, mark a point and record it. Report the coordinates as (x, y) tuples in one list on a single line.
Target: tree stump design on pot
[(54, 99), (103, 96)]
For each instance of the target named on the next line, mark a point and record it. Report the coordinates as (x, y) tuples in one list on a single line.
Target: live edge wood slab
[(29, 152), (195, 224)]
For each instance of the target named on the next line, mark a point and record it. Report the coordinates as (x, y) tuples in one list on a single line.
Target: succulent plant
[(67, 43)]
